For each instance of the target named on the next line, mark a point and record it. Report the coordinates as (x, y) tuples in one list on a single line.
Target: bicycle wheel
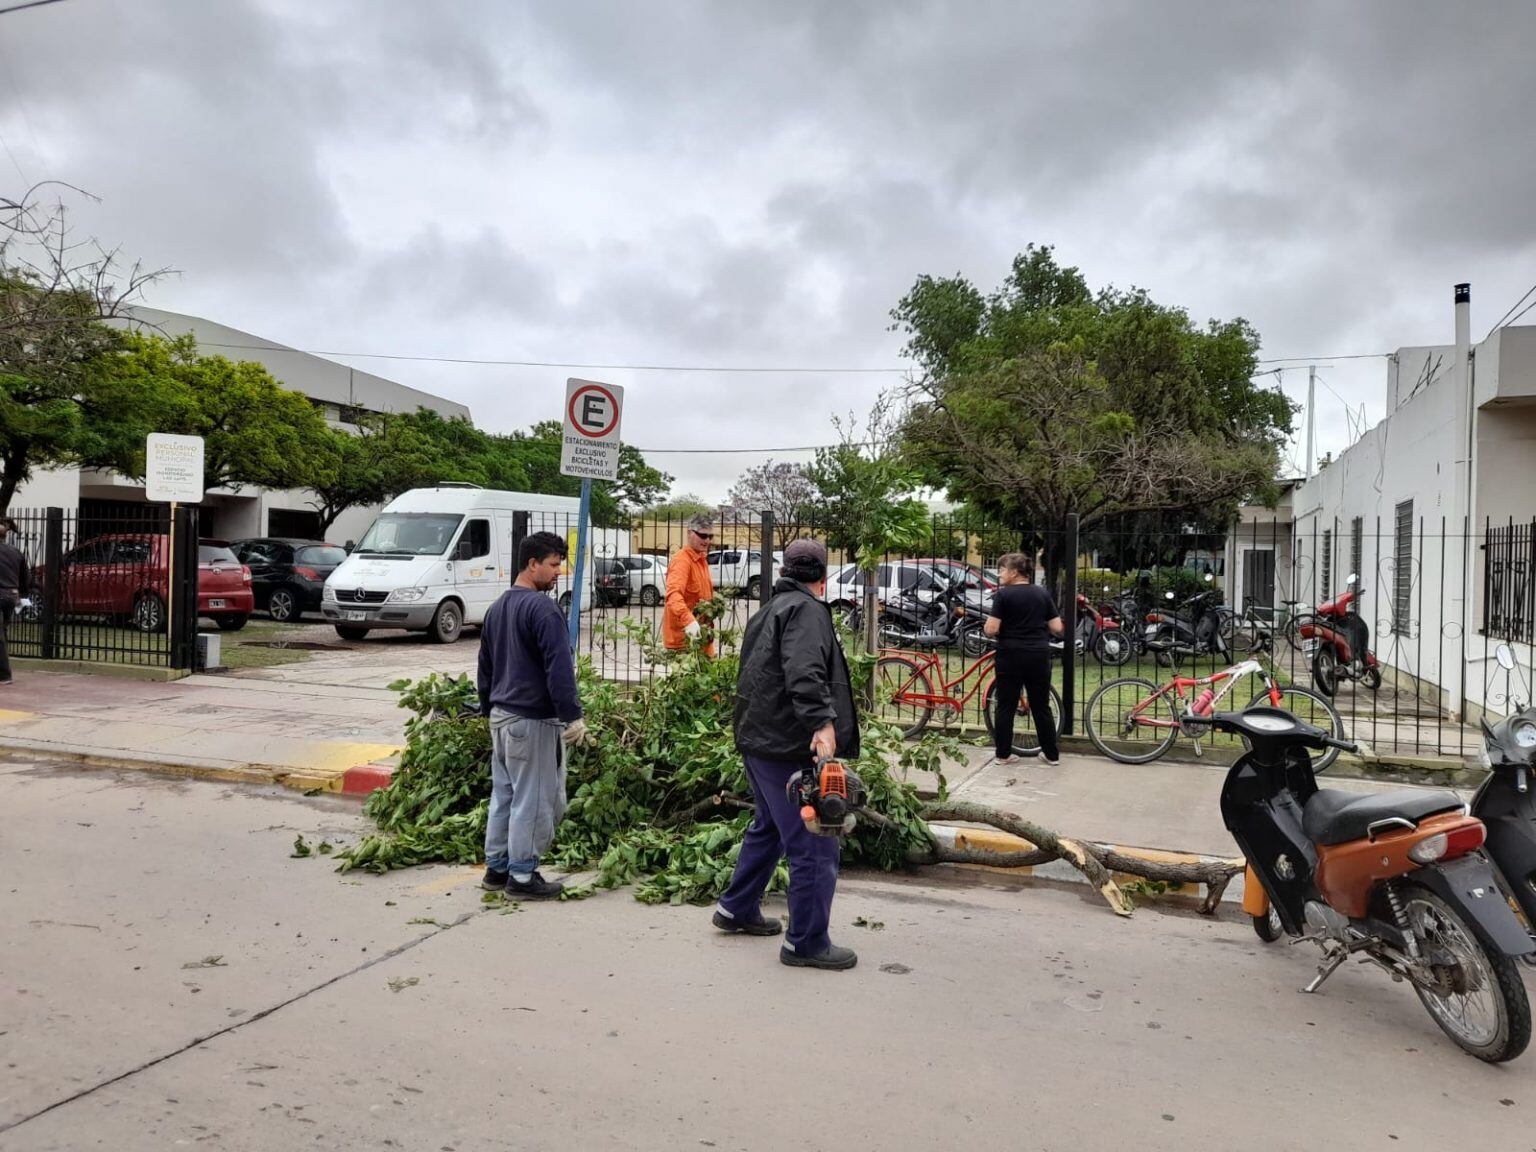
[(1025, 740), (895, 679), (1293, 626), (1310, 708), (1126, 724)]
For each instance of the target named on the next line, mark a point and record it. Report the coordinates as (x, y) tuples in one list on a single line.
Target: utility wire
[(28, 4), (1501, 321), (1522, 312), (547, 363)]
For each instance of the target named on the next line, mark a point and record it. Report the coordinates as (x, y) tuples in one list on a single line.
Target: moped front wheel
[(1112, 647), (1325, 670), (1267, 927), (1477, 997)]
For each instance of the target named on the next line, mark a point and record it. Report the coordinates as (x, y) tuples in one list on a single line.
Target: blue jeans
[(527, 791), (777, 831)]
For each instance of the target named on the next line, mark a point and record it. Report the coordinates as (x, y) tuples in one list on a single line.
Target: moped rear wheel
[(1372, 678), (1112, 647), (1479, 1000)]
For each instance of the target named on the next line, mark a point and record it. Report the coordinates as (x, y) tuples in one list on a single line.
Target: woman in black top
[(1023, 621)]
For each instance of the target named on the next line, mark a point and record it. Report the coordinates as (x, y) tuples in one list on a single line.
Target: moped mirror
[(1210, 577), (1354, 578), (1106, 587), (1505, 657), (1167, 595)]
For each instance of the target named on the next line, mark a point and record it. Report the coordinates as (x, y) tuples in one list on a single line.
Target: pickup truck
[(740, 570)]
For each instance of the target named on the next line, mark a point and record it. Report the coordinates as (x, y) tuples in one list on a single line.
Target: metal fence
[(1270, 577), (101, 585)]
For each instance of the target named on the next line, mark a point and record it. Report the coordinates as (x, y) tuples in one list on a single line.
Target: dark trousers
[(6, 608), (1028, 674), (777, 831)]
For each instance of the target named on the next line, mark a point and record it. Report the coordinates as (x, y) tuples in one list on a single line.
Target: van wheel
[(447, 624), (565, 603), (755, 588), (346, 632)]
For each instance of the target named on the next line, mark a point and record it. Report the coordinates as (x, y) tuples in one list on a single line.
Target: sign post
[(589, 448), (173, 474)]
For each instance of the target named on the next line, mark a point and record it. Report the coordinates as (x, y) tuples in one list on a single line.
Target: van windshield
[(410, 534)]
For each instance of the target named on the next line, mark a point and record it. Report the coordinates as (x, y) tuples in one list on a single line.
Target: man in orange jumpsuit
[(688, 583)]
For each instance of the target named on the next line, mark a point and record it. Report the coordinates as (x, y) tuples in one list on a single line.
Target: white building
[(339, 392), (1408, 505)]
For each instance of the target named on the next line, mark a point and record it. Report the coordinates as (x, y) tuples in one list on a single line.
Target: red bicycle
[(910, 685)]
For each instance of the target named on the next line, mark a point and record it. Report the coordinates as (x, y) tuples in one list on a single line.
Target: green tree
[(387, 455), (1044, 398), (255, 432), (678, 508), (865, 494), (54, 347)]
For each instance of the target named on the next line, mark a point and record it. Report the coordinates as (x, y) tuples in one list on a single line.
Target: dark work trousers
[(6, 608), (776, 831), (1028, 673)]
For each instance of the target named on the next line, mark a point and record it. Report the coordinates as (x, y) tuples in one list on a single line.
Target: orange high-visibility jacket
[(688, 582)]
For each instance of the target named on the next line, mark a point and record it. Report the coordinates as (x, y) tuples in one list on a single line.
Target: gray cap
[(805, 555)]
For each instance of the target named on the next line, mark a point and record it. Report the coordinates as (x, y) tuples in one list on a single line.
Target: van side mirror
[(465, 550), (1505, 657)]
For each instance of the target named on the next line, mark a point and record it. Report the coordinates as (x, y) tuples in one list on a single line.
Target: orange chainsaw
[(828, 795)]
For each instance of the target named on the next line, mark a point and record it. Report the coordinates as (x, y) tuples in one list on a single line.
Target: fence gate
[(102, 589)]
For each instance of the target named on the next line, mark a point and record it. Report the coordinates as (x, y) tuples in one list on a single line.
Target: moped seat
[(1334, 816)]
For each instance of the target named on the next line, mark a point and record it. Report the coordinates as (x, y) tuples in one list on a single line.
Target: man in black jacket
[(794, 705)]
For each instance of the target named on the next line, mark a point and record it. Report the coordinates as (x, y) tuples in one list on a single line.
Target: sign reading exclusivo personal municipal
[(589, 447)]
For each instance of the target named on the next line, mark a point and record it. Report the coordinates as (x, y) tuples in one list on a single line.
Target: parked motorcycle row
[(1434, 892)]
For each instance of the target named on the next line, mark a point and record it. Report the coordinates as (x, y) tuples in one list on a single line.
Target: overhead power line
[(1505, 319), (28, 4), (723, 368), (550, 363)]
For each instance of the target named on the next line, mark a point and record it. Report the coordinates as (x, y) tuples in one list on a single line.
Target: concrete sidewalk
[(329, 737)]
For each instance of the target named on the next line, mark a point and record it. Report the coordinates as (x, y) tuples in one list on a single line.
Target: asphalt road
[(171, 977)]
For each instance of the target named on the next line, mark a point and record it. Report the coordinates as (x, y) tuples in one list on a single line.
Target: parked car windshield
[(410, 534), (323, 556), (215, 554)]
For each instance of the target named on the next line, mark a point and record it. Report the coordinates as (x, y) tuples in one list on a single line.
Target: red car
[(126, 578)]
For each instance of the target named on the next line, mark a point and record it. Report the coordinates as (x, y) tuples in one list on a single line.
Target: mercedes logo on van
[(360, 595)]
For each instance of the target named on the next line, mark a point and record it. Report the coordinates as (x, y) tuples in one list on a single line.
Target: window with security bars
[(1402, 567), (1357, 546), (1326, 588)]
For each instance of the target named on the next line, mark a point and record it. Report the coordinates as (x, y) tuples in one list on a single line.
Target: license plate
[(1310, 647), (356, 615), (215, 603)]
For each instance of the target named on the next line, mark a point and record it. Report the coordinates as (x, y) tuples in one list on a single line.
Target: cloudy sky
[(755, 185)]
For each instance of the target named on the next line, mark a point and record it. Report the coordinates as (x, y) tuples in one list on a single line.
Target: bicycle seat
[(1292, 603)]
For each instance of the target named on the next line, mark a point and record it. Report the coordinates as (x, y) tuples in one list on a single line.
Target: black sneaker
[(534, 888), (494, 881), (762, 926), (834, 959)]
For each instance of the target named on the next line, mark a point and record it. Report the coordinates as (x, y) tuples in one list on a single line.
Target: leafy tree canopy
[(1045, 398)]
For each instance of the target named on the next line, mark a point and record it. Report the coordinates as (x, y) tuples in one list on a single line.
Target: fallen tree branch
[(1043, 838)]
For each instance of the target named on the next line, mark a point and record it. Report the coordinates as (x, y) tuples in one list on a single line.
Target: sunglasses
[(702, 535)]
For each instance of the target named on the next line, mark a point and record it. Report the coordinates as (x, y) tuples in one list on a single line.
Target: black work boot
[(834, 959), (534, 888), (494, 881), (762, 926)]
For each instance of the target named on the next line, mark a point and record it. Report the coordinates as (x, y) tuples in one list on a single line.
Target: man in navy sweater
[(527, 683)]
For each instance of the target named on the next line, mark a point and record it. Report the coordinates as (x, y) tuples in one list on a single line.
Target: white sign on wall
[(590, 444), (173, 469)]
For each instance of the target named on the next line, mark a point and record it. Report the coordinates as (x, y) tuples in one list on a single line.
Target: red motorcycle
[(1338, 641), (1100, 633)]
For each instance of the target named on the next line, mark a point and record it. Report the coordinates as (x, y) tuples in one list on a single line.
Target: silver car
[(647, 578)]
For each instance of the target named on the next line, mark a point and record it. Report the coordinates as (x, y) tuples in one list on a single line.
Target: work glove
[(24, 602), (575, 733), (693, 630)]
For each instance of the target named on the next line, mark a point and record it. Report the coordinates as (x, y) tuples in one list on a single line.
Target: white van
[(436, 559)]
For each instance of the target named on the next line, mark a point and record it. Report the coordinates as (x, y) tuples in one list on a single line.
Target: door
[(262, 557), (1258, 577), (130, 569), (475, 571), (82, 577)]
